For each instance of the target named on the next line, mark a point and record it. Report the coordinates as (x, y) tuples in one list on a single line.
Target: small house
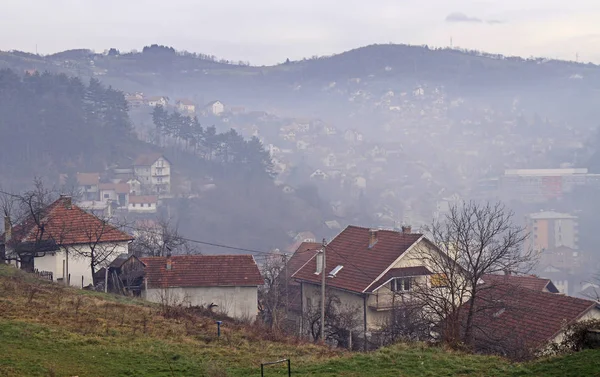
[(227, 283), (63, 244), (143, 204), (215, 108), (185, 106)]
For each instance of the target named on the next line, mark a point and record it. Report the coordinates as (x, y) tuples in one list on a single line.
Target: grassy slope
[(47, 330)]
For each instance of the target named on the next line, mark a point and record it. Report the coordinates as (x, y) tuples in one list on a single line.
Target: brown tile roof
[(362, 265), (88, 179), (66, 224), (137, 199), (524, 281), (147, 159), (518, 319), (400, 273), (202, 271), (120, 188), (303, 253), (186, 102)]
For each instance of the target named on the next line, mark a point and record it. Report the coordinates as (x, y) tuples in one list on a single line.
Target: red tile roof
[(202, 271), (186, 102), (400, 273), (304, 252), (518, 318), (147, 159), (362, 265), (66, 224), (524, 281), (137, 199), (120, 188), (88, 179)]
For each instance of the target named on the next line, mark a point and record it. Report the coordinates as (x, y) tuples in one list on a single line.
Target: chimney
[(7, 229), (67, 201), (507, 272), (406, 229), (372, 237)]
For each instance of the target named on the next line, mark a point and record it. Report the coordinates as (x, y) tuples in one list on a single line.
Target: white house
[(158, 101), (215, 107), (63, 247), (227, 283), (153, 171), (142, 204)]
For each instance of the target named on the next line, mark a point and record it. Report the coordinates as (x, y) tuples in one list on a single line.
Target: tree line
[(227, 149), (52, 122)]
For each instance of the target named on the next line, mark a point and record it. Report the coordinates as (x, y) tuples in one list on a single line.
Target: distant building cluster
[(134, 189), (182, 105)]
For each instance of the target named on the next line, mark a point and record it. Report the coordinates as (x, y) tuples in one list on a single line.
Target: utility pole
[(287, 295), (323, 292)]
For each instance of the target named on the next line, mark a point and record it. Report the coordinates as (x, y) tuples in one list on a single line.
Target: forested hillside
[(54, 123)]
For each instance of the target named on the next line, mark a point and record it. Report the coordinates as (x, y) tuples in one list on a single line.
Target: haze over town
[(322, 178)]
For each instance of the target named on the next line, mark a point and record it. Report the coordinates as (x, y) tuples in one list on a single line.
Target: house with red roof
[(522, 320), (60, 240), (226, 283), (153, 171), (523, 281), (185, 106), (367, 269)]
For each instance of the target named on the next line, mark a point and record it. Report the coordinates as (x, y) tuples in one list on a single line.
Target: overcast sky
[(269, 31)]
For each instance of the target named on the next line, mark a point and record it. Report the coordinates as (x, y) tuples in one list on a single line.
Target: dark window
[(401, 284)]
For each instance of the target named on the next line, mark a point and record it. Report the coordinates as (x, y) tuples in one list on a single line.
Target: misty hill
[(540, 84), (53, 124)]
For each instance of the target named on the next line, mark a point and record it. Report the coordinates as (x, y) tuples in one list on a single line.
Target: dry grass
[(51, 330)]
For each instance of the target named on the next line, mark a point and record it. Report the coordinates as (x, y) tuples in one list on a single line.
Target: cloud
[(461, 17), (495, 22)]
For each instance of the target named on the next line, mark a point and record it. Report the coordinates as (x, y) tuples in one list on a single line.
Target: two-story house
[(153, 171), (368, 269)]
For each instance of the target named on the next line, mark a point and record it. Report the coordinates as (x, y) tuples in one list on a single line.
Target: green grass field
[(49, 330)]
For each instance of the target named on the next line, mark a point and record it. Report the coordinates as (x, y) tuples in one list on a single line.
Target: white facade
[(149, 207), (236, 302), (67, 261), (155, 177), (216, 108)]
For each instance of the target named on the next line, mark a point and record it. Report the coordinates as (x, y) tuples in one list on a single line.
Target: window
[(439, 280), (335, 271), (133, 205), (401, 284), (106, 196)]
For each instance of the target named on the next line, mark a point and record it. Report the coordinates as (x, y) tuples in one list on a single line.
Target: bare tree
[(28, 207), (93, 245), (475, 240), (340, 320), (406, 321), (160, 238), (272, 295)]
